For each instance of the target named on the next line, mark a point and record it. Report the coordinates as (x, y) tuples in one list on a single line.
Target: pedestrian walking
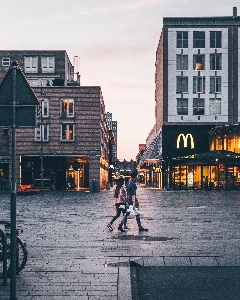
[(132, 203), (206, 183), (120, 195)]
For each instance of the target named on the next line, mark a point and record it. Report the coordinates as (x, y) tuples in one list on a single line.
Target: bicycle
[(21, 251)]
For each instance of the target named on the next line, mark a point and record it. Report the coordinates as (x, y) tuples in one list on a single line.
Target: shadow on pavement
[(185, 283)]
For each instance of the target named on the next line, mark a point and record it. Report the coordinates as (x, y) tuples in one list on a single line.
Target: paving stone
[(71, 250)]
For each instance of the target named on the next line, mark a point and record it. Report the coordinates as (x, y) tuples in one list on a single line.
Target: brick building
[(70, 142)]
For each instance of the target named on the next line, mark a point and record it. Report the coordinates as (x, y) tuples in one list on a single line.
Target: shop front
[(59, 172), (214, 170)]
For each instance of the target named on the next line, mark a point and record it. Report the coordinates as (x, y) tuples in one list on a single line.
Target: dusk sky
[(116, 41)]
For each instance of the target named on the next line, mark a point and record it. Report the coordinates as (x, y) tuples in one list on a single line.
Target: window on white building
[(6, 61), (198, 39), (31, 64), (199, 62), (216, 61), (182, 39), (67, 107), (182, 62), (198, 106), (182, 84), (215, 106), (215, 39), (67, 132), (215, 84), (48, 64), (182, 106), (198, 84), (44, 129)]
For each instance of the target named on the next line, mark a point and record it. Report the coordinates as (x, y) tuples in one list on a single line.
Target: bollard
[(4, 254), (94, 183)]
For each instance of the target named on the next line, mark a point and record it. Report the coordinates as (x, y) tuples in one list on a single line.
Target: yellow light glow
[(185, 139)]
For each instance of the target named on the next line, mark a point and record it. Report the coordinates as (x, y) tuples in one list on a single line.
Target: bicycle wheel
[(1, 257), (21, 256)]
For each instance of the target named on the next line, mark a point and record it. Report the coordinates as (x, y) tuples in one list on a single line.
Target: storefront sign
[(185, 140)]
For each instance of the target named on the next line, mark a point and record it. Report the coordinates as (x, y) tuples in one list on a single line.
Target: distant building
[(72, 133)]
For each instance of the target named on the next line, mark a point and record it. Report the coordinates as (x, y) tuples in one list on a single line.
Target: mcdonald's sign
[(185, 140)]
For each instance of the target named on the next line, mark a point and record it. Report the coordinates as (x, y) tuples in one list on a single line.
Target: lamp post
[(41, 136)]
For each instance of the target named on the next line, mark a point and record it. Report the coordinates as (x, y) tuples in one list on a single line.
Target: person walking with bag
[(120, 195), (132, 203)]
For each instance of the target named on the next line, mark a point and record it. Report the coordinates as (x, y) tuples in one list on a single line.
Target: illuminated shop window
[(182, 62), (182, 39)]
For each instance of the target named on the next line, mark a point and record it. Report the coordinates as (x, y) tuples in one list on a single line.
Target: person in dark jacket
[(132, 203)]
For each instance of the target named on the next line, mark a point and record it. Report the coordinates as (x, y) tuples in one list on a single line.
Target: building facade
[(69, 147), (197, 101)]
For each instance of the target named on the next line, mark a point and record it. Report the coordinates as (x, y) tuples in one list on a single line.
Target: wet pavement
[(72, 255)]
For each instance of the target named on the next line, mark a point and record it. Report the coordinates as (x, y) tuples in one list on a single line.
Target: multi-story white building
[(197, 100)]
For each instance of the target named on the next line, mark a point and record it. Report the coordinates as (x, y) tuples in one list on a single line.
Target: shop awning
[(210, 156)]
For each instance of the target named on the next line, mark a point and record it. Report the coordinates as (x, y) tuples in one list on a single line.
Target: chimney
[(234, 11)]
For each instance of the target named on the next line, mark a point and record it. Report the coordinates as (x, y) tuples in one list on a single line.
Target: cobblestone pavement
[(72, 255)]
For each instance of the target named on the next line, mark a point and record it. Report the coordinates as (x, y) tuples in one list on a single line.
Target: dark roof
[(204, 21)]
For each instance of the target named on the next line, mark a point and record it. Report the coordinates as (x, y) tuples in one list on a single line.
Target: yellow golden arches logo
[(185, 139)]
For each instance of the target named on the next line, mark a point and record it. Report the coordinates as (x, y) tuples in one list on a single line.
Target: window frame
[(182, 106), (198, 41), (178, 84), (198, 59), (215, 41), (33, 65), (68, 136), (181, 62), (198, 84), (40, 133), (66, 109), (182, 39), (6, 61), (215, 84), (44, 108), (215, 60), (215, 110), (198, 107), (46, 65)]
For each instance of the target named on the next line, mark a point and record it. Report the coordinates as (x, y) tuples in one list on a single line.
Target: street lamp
[(41, 136)]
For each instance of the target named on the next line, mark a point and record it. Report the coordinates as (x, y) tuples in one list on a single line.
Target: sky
[(116, 42)]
